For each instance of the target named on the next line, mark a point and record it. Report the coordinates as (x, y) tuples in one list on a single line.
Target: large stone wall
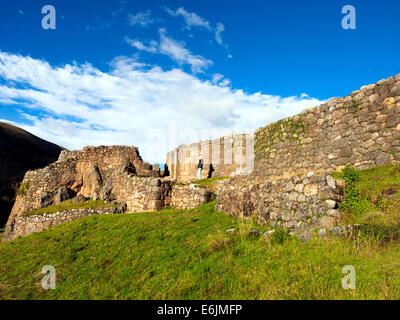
[(298, 204), (222, 157), (83, 172), (79, 172), (113, 174), (151, 194), (362, 129)]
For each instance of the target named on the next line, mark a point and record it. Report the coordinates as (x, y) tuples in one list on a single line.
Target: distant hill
[(20, 151)]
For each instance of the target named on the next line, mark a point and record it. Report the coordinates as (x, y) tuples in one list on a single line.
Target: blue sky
[(126, 72)]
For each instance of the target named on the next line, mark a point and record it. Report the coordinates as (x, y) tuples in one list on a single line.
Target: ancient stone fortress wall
[(362, 129), (81, 172), (222, 157), (113, 174), (26, 225), (299, 204)]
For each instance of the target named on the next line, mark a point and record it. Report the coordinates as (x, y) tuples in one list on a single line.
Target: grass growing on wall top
[(210, 183), (69, 205), (23, 189), (186, 254), (372, 199)]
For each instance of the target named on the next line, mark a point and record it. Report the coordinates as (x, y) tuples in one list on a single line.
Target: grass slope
[(175, 254)]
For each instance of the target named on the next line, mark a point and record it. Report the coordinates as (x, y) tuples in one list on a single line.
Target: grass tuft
[(209, 184)]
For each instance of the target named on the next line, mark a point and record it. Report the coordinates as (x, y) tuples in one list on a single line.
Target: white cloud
[(191, 19), (143, 18), (218, 30), (152, 47), (218, 79), (132, 104), (174, 49), (177, 51)]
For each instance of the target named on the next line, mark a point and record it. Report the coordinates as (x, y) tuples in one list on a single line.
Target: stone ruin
[(289, 186), (113, 174)]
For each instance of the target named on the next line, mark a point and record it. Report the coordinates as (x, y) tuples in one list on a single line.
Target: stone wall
[(222, 157), (113, 174), (298, 204), (26, 225), (362, 129), (79, 173), (150, 194), (188, 196), (139, 193)]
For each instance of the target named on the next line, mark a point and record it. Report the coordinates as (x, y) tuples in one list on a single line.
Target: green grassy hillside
[(176, 254)]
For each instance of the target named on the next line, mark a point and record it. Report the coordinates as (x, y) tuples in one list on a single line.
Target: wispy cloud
[(151, 47), (133, 104), (191, 18), (143, 18), (218, 30), (177, 51), (174, 49)]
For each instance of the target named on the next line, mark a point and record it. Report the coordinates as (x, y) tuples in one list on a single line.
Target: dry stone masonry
[(114, 174), (362, 129), (222, 157), (189, 196), (290, 186), (298, 204), (26, 225)]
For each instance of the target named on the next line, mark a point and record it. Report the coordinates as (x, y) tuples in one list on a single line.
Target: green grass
[(372, 190), (23, 189), (210, 184), (368, 192), (69, 205), (175, 254)]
